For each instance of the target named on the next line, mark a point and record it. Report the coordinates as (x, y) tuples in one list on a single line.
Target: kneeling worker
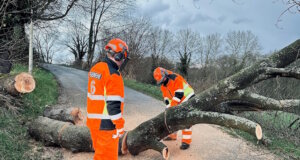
[(175, 90)]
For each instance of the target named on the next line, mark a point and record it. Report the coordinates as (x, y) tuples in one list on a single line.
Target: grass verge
[(281, 146), (14, 139), (277, 127), (151, 90)]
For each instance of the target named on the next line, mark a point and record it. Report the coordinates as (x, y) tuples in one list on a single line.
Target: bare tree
[(187, 43), (160, 44), (209, 48), (136, 36), (243, 46), (44, 45), (78, 42), (99, 12)]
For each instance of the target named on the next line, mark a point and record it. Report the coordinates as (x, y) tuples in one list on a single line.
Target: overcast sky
[(210, 16)]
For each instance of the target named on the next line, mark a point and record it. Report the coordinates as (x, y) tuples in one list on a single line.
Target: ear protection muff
[(119, 56)]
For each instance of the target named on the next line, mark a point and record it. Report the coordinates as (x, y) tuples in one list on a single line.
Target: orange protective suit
[(176, 90), (105, 101)]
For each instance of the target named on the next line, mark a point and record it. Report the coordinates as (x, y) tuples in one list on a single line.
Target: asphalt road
[(209, 142), (74, 87)]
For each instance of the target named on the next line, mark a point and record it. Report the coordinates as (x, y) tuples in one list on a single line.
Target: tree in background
[(209, 48), (187, 44), (243, 48), (44, 45), (136, 36), (99, 12), (77, 43), (160, 43)]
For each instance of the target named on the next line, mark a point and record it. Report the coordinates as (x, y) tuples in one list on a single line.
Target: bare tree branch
[(284, 72), (55, 15), (260, 102)]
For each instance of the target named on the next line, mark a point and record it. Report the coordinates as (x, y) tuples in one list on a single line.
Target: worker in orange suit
[(175, 90), (105, 101)]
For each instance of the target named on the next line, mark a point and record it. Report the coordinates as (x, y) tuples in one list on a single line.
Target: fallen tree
[(203, 107), (212, 106)]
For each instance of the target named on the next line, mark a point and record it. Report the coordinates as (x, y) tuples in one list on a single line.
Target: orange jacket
[(176, 90), (105, 98)]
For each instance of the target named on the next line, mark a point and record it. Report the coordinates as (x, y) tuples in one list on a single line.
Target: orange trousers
[(186, 136), (106, 147)]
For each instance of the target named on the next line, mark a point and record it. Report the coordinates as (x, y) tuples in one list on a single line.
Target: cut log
[(64, 134), (73, 115), (24, 83), (21, 83)]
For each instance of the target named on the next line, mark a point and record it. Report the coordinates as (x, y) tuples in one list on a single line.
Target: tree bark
[(64, 134), (72, 115)]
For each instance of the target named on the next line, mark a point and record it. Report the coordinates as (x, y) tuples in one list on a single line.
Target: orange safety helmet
[(117, 48), (160, 74)]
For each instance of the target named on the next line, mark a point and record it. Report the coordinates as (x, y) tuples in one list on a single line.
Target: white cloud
[(206, 16)]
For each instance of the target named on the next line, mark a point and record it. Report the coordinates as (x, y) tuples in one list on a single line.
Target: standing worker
[(105, 101), (175, 90)]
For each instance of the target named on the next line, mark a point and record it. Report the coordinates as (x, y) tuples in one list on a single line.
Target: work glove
[(119, 133)]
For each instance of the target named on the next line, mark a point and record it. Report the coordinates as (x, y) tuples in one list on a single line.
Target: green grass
[(14, 139), (151, 90), (275, 126)]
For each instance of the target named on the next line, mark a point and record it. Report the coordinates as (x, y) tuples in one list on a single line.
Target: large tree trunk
[(203, 108), (64, 134)]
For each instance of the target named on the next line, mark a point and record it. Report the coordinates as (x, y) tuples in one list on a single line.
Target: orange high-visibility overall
[(175, 91), (105, 101)]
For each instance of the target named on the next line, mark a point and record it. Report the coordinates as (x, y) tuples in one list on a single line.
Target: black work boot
[(184, 146)]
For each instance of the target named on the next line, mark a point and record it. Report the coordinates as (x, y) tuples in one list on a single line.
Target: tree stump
[(21, 83)]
